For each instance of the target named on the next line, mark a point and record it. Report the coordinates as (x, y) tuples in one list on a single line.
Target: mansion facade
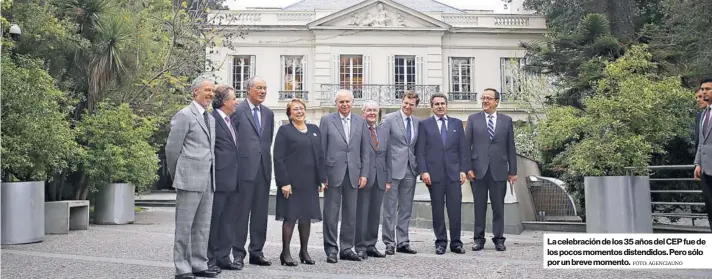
[(377, 49)]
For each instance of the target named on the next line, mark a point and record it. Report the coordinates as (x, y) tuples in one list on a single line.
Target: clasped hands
[(425, 177), (287, 189)]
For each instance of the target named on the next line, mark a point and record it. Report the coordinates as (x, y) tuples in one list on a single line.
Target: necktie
[(705, 123), (347, 128), (255, 113), (229, 126), (373, 136), (207, 121), (443, 130), (490, 126), (408, 129)]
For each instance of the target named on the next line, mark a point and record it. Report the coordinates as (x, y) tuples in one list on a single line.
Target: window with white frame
[(351, 74), (293, 82), (242, 68), (510, 73), (404, 74), (462, 78)]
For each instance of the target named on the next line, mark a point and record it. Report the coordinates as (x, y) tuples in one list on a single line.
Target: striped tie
[(490, 126)]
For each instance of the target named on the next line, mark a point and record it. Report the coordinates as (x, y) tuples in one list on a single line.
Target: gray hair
[(350, 94), (249, 83), (370, 104), (198, 81)]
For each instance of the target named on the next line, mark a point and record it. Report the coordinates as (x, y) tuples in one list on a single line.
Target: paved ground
[(144, 250)]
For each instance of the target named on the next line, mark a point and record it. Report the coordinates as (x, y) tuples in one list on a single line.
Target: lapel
[(336, 118), (450, 130), (353, 127), (199, 117), (248, 114), (402, 126), (706, 133), (498, 126)]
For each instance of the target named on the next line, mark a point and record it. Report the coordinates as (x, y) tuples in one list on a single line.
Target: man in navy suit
[(702, 104), (225, 203), (441, 152)]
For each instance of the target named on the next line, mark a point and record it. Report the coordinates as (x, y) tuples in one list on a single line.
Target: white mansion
[(377, 49)]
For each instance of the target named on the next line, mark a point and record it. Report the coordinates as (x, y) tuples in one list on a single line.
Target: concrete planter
[(22, 210), (618, 204), (114, 204)]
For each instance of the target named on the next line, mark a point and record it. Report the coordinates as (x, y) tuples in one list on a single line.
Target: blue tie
[(443, 130), (490, 126), (408, 130), (255, 111)]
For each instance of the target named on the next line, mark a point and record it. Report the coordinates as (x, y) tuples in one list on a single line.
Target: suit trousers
[(252, 210), (442, 194), (333, 198), (397, 208), (706, 185), (222, 227), (483, 187), (193, 210), (368, 217)]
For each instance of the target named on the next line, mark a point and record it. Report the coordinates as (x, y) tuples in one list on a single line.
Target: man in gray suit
[(703, 158), (401, 128), (254, 125), (189, 155), (344, 137), (490, 139), (368, 214)]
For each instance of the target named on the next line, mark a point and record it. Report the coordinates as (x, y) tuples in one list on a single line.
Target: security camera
[(15, 32)]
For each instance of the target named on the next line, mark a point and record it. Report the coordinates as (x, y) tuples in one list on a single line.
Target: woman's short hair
[(293, 102)]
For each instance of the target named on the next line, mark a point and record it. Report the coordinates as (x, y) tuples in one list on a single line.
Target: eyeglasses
[(487, 98)]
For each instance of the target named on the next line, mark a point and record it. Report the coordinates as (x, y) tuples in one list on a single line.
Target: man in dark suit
[(344, 137), (225, 201), (441, 152), (702, 104), (254, 125), (189, 155), (368, 210), (490, 139)]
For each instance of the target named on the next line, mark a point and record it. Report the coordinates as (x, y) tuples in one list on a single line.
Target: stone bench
[(63, 216)]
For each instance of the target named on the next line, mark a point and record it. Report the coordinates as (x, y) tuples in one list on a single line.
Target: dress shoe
[(373, 252), (499, 246), (362, 255), (331, 258), (390, 250), (478, 246), (239, 263), (457, 250), (206, 273), (229, 266), (406, 249), (214, 268), (440, 250), (305, 258), (259, 260), (349, 255), (185, 276)]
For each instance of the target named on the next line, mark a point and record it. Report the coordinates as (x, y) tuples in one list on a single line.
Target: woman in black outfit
[(298, 156)]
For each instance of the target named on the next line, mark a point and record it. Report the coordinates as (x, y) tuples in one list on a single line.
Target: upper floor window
[(242, 68), (511, 74), (351, 74), (462, 78), (293, 82)]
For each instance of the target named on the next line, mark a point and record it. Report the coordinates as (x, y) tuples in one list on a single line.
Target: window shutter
[(335, 69), (472, 75), (305, 76), (391, 70), (418, 70), (282, 63), (231, 73), (366, 69), (253, 70)]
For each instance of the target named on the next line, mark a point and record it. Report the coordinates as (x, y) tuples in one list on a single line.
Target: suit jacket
[(704, 148), (225, 156), (499, 154), (340, 155), (380, 168), (401, 151), (288, 145), (190, 150), (253, 145), (444, 162)]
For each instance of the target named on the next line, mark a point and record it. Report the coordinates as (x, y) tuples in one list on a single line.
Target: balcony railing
[(241, 94), (288, 95), (384, 94), (462, 96)]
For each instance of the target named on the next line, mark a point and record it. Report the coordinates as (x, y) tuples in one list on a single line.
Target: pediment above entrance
[(378, 15)]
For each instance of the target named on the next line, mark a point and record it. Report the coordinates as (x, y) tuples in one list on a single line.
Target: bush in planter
[(117, 147), (37, 139)]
